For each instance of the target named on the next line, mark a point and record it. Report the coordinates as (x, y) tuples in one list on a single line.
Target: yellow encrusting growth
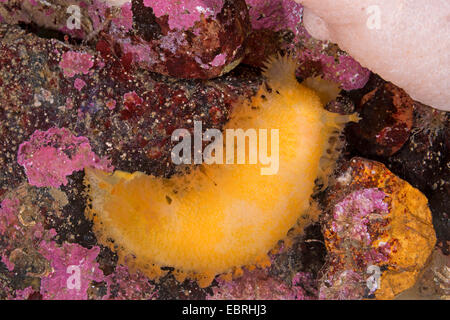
[(219, 218)]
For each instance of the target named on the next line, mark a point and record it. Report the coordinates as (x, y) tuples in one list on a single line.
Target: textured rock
[(375, 221), (183, 39), (386, 113), (424, 161), (191, 39), (23, 229), (277, 25), (259, 285), (52, 15), (127, 114), (41, 264), (433, 283)]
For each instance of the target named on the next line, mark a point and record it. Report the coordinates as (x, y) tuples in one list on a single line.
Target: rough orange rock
[(377, 219)]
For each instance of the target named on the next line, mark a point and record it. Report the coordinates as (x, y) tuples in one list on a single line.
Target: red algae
[(74, 63)]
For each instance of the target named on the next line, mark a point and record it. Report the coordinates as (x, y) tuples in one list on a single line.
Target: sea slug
[(220, 218)]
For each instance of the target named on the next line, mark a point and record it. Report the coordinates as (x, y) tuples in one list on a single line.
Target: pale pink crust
[(410, 47)]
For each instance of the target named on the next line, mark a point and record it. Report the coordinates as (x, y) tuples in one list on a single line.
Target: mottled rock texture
[(184, 39), (378, 232)]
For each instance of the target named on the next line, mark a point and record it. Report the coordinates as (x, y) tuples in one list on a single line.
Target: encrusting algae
[(221, 217)]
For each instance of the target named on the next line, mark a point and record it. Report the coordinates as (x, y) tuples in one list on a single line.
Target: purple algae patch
[(184, 13), (353, 214), (275, 15), (125, 19), (8, 216), (74, 267), (259, 285), (79, 84), (73, 63), (50, 156)]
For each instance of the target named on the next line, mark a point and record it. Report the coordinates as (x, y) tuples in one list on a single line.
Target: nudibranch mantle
[(219, 218)]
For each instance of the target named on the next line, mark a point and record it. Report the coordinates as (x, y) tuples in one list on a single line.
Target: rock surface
[(188, 39), (386, 113), (378, 232), (85, 97)]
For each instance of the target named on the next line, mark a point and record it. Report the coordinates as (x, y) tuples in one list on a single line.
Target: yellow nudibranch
[(220, 218)]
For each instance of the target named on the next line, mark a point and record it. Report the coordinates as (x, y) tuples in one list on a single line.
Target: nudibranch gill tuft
[(222, 217)]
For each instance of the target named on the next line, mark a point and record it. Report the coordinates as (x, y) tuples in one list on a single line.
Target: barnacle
[(219, 218)]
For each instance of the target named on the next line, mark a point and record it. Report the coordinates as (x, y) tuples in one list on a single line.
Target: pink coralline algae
[(111, 104), (125, 19), (184, 39), (50, 156), (343, 285), (184, 13), (378, 232), (97, 12), (273, 20), (350, 231), (79, 84), (22, 232), (7, 214), (74, 267), (123, 285), (73, 63), (259, 285), (173, 40), (66, 271), (333, 63), (24, 294), (8, 263), (10, 226), (275, 15), (346, 71), (131, 100), (219, 60), (353, 214)]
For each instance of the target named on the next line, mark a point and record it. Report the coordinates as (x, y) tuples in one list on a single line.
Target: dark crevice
[(46, 33)]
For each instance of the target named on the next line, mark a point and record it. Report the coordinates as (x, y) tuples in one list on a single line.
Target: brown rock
[(386, 113), (212, 46)]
